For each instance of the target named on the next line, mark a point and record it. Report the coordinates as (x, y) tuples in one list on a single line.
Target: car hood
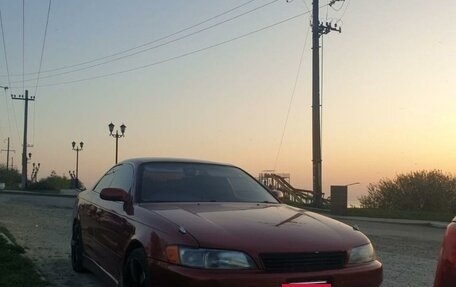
[(259, 227)]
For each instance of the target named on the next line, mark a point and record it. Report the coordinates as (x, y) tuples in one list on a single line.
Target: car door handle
[(98, 212)]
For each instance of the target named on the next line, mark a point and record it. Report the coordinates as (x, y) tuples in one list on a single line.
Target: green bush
[(52, 182), (432, 191), (10, 177)]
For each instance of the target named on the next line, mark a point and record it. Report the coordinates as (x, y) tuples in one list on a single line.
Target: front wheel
[(136, 270), (77, 249)]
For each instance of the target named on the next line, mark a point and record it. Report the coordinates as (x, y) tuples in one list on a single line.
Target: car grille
[(303, 262)]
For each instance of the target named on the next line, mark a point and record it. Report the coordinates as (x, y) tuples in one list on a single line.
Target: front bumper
[(165, 274)]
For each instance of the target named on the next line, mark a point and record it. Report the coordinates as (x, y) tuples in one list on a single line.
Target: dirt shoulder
[(43, 227)]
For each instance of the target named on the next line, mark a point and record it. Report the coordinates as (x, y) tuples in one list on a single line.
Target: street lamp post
[(117, 135), (77, 149)]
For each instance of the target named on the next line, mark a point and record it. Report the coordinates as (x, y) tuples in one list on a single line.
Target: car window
[(189, 182), (123, 177), (105, 181)]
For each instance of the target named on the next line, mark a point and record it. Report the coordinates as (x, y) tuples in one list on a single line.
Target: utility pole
[(7, 154), (26, 99), (318, 29)]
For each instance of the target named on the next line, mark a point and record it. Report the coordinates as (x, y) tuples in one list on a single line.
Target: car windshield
[(195, 182)]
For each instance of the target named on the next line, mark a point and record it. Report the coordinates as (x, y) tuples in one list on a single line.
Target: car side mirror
[(277, 193), (114, 194)]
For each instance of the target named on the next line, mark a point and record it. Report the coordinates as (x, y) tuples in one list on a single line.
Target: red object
[(446, 268), (180, 223), (114, 194), (307, 285)]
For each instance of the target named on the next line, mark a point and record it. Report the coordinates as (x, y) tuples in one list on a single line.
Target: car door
[(115, 229), (89, 218)]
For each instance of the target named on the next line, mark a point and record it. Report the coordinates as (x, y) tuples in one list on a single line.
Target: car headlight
[(208, 258), (362, 254)]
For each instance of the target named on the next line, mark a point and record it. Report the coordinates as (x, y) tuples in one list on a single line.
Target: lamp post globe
[(111, 128)]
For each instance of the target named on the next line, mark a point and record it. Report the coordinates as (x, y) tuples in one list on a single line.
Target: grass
[(16, 269), (401, 214)]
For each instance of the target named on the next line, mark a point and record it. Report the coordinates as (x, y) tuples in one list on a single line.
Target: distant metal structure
[(281, 181)]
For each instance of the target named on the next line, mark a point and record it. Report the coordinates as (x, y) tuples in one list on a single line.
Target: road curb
[(37, 193), (434, 224)]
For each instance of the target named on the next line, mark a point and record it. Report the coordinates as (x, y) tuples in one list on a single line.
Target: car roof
[(141, 160)]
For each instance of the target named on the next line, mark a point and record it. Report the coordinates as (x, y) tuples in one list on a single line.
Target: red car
[(181, 223), (446, 268)]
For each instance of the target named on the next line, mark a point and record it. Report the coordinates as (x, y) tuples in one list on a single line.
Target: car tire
[(77, 249), (136, 270)]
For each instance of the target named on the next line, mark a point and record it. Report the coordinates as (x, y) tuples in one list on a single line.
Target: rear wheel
[(77, 249), (136, 270)]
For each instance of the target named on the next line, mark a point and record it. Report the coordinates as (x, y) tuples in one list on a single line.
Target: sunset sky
[(221, 90)]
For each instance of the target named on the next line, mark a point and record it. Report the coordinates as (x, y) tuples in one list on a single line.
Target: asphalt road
[(408, 252), (42, 225)]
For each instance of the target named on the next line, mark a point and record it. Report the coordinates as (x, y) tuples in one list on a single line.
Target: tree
[(10, 177), (52, 182), (414, 191)]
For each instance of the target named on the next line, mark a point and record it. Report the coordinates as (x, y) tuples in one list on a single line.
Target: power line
[(4, 49), (345, 10), (292, 97), (42, 48), (23, 44), (7, 112), (6, 60), (157, 46), (327, 9), (178, 56), (39, 68), (331, 4), (145, 44), (9, 83), (308, 9)]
